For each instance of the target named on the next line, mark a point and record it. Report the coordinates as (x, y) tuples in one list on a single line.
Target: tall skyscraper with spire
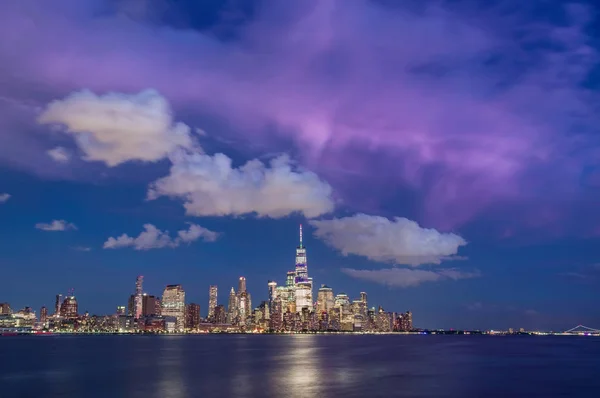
[(303, 283)]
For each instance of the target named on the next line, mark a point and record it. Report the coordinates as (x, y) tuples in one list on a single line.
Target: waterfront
[(298, 366)]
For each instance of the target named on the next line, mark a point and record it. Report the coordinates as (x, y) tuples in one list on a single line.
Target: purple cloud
[(474, 113), (403, 277)]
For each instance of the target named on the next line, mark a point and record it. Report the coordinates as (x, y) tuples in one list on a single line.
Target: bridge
[(582, 330)]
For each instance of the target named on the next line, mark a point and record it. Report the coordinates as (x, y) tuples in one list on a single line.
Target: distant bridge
[(580, 329)]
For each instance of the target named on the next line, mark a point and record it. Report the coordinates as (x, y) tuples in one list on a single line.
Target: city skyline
[(185, 141)]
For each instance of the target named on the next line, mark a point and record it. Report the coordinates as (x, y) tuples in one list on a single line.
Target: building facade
[(212, 302), (173, 305)]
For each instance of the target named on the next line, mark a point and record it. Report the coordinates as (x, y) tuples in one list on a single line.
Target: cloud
[(399, 241), (56, 225), (115, 128), (403, 277), (59, 154), (4, 197), (82, 248), (475, 306), (471, 109), (153, 238), (211, 186)]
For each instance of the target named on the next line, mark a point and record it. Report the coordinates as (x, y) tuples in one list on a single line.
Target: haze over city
[(442, 157)]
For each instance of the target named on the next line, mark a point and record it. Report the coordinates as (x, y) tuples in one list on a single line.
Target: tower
[(138, 302), (212, 301), (302, 282), (232, 307), (242, 285), (57, 304)]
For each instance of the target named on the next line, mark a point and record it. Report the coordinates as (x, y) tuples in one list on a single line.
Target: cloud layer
[(4, 197), (211, 186), (56, 225), (476, 111), (402, 277), (116, 128), (59, 154), (153, 238), (399, 241)]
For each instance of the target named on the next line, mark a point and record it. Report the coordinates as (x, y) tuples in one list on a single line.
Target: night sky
[(443, 156)]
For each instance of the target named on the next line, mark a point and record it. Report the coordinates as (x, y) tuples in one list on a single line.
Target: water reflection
[(171, 383), (298, 371)]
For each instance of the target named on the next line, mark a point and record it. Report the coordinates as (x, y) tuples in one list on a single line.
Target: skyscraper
[(325, 300), (272, 292), (43, 315), (232, 307), (220, 315), (138, 304), (150, 305), (242, 285), (69, 307), (173, 305), (212, 302), (192, 316), (131, 306), (302, 282), (57, 304), (363, 298), (5, 309)]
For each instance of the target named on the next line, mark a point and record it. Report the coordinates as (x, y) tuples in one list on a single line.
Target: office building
[(302, 281), (220, 315), (212, 302), (232, 307), (57, 304), (138, 300), (325, 299), (150, 305), (43, 315), (69, 307), (121, 310), (192, 316), (173, 305), (5, 309)]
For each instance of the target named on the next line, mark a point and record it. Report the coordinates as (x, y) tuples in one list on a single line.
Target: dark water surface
[(298, 366)]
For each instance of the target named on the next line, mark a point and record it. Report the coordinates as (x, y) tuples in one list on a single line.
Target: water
[(298, 366)]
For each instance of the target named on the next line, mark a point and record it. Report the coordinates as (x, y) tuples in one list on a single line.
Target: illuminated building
[(325, 299), (232, 307), (383, 321), (138, 301), (57, 304), (43, 315), (173, 305), (244, 302), (341, 299), (359, 307), (302, 282), (121, 310), (5, 309), (220, 315), (289, 280), (272, 292), (24, 318), (363, 298), (212, 302), (150, 305), (68, 308), (276, 316), (242, 285), (192, 316)]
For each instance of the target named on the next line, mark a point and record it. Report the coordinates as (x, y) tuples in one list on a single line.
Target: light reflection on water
[(297, 366)]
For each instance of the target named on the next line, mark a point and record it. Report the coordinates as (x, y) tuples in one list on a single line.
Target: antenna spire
[(300, 235)]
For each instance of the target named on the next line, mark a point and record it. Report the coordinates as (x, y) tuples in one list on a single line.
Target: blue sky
[(444, 157)]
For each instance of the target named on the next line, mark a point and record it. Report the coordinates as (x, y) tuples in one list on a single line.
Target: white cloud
[(399, 241), (403, 277), (115, 128), (4, 197), (59, 154), (56, 225), (210, 186), (154, 238)]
